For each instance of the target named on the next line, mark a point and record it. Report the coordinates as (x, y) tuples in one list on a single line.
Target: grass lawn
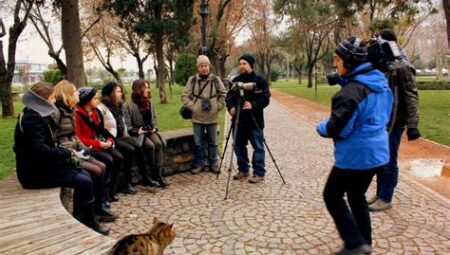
[(434, 106), (168, 119)]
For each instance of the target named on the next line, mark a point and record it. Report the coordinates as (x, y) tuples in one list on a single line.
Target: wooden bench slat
[(20, 226), (6, 222), (86, 245)]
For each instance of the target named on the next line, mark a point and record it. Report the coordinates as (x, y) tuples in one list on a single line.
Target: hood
[(373, 79), (36, 103)]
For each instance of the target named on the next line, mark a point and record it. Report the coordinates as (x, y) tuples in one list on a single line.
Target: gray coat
[(134, 120), (215, 91)]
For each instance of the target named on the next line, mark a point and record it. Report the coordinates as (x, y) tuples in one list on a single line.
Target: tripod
[(234, 128)]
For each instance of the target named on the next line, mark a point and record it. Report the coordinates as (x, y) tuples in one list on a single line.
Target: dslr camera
[(383, 54)]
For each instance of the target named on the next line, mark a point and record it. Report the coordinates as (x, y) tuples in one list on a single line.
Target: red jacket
[(87, 134)]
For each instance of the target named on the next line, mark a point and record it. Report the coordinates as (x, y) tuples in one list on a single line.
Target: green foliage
[(185, 66), (275, 74), (53, 76)]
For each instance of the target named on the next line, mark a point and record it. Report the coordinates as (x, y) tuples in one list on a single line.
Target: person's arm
[(408, 85), (34, 128), (132, 131), (264, 100), (82, 128)]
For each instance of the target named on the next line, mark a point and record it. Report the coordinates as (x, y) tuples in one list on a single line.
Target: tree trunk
[(310, 75), (71, 38), (6, 75), (61, 66), (160, 69), (446, 4), (140, 64)]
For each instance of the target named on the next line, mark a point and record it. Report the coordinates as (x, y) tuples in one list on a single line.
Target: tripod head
[(241, 86)]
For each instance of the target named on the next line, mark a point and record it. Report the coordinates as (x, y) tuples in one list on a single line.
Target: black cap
[(109, 88), (248, 58), (86, 94), (352, 51)]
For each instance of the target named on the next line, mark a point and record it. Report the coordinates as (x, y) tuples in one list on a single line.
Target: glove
[(413, 134)]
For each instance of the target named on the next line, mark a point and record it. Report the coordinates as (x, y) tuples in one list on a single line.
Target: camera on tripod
[(383, 54), (243, 86)]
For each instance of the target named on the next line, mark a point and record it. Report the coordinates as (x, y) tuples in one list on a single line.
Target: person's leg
[(119, 159), (155, 143), (211, 133), (199, 131), (333, 194), (140, 158), (108, 160), (128, 152), (258, 159), (357, 187), (241, 141), (389, 179)]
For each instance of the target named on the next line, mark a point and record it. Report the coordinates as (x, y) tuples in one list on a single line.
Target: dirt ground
[(422, 148)]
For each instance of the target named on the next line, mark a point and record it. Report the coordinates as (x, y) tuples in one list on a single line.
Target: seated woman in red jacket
[(90, 129)]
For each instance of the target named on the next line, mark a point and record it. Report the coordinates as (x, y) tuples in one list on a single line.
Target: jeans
[(258, 160), (353, 226), (211, 135), (387, 177)]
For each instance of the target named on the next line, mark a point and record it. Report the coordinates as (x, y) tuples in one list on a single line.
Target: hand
[(106, 145), (81, 155), (141, 131), (247, 106), (412, 134), (232, 111)]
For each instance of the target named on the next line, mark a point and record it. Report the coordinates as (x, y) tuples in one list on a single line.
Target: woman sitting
[(142, 117), (66, 96), (42, 164)]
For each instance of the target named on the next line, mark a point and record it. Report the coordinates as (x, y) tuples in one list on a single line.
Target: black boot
[(85, 214), (103, 214), (160, 178), (147, 181), (128, 189)]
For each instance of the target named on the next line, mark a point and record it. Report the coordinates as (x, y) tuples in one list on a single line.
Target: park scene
[(225, 127)]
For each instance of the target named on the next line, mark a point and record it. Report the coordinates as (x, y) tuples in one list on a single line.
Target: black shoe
[(128, 189), (112, 198), (106, 204), (85, 214), (160, 178), (147, 181), (104, 215), (362, 249)]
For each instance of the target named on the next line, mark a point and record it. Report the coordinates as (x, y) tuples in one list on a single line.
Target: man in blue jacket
[(358, 126)]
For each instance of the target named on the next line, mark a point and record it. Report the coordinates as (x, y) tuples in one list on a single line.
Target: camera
[(244, 86), (383, 54), (206, 105), (334, 78)]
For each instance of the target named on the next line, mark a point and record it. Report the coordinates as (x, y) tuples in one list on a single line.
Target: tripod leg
[(268, 149), (224, 150)]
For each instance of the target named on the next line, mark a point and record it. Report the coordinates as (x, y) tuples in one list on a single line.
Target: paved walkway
[(272, 218)]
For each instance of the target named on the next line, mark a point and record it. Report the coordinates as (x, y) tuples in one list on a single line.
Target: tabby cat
[(151, 243)]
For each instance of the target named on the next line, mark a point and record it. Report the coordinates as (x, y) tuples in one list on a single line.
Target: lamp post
[(204, 12)]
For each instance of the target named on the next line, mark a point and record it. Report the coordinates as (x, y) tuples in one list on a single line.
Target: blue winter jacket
[(359, 117)]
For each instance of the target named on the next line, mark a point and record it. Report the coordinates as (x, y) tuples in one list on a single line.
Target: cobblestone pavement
[(272, 218)]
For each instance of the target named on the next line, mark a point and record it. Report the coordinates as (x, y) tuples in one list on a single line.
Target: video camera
[(243, 86), (383, 54)]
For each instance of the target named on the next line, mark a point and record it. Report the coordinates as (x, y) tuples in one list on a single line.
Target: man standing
[(404, 113), (204, 94), (251, 97)]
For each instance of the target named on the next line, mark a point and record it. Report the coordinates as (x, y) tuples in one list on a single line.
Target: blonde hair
[(64, 91)]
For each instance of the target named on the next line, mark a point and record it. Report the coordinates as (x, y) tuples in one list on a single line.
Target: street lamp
[(204, 12)]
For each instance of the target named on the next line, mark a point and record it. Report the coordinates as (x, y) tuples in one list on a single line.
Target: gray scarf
[(36, 103)]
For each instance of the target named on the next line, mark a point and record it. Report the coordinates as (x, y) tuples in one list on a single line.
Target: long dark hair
[(137, 95), (110, 99)]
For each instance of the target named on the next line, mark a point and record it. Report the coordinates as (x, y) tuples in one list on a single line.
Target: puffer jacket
[(359, 117), (65, 134), (214, 91), (108, 119)]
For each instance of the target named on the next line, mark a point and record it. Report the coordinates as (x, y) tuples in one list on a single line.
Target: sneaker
[(240, 176), (362, 249), (379, 206), (256, 179), (372, 200), (196, 170)]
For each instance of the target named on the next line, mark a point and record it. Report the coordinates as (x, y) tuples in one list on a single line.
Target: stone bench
[(36, 222)]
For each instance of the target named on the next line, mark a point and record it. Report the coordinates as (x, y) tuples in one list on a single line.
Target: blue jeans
[(387, 177), (258, 159), (211, 134)]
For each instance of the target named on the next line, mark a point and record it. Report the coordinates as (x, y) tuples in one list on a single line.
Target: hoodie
[(358, 121)]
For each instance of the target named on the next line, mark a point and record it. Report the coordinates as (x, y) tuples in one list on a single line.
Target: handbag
[(184, 111)]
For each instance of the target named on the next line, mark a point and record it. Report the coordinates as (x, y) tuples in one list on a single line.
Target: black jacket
[(406, 99), (259, 98), (39, 162)]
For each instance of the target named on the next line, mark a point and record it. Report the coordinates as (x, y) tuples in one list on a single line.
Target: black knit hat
[(109, 88), (352, 51), (248, 58), (86, 94)]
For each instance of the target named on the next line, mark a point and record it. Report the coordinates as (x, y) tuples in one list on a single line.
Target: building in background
[(28, 73)]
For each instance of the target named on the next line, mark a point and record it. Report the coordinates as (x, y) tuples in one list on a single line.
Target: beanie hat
[(42, 89), (202, 59), (109, 88), (86, 94), (352, 51), (248, 58)]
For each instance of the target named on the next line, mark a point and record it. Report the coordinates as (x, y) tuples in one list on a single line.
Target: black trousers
[(113, 160), (353, 226)]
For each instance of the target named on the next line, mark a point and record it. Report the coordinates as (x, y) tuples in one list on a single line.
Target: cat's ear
[(155, 220), (168, 229)]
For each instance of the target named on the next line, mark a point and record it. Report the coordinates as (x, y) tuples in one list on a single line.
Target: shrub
[(275, 74), (185, 66), (433, 85), (53, 76)]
